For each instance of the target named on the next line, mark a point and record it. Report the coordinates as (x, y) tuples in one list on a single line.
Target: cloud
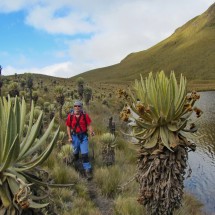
[(45, 18), (65, 69), (11, 5)]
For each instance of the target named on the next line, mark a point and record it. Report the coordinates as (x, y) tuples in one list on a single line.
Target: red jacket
[(83, 123)]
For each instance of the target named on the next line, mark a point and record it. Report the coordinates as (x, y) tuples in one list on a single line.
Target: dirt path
[(104, 205)]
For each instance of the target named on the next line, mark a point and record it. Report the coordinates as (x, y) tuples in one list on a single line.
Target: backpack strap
[(78, 120), (85, 119), (71, 118), (78, 123)]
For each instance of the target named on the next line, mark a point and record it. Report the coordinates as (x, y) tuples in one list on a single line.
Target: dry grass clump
[(127, 206), (95, 148), (190, 205), (64, 174), (82, 190), (108, 180), (126, 156), (121, 144), (128, 186), (70, 202), (51, 161), (60, 200), (83, 206), (58, 170)]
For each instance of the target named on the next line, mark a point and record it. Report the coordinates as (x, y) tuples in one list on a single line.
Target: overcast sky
[(64, 38)]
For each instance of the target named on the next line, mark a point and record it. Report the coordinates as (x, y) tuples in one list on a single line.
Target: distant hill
[(37, 77), (189, 50)]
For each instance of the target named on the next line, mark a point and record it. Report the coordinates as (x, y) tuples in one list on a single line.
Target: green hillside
[(189, 50)]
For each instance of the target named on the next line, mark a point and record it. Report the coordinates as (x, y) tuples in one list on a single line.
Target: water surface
[(202, 161)]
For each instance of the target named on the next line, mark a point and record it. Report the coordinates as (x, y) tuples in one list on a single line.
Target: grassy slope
[(190, 50)]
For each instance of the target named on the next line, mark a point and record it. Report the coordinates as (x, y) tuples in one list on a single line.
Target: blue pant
[(80, 144)]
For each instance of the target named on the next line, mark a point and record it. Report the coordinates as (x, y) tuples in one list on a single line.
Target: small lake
[(202, 162)]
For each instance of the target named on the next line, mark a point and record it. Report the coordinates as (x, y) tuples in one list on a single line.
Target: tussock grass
[(62, 197), (81, 206), (65, 194), (127, 156), (108, 180), (128, 206), (71, 202), (128, 185), (190, 205), (95, 146), (99, 123), (63, 174), (121, 144), (51, 161), (81, 190)]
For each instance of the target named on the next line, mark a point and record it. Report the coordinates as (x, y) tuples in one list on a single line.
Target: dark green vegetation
[(190, 50)]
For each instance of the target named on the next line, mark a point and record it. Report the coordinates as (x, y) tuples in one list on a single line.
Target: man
[(77, 124)]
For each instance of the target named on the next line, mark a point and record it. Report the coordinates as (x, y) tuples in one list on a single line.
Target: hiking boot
[(88, 174)]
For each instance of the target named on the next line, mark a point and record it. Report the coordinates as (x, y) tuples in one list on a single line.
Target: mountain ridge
[(189, 50)]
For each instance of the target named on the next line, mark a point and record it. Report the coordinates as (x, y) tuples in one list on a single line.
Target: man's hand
[(92, 133), (70, 139)]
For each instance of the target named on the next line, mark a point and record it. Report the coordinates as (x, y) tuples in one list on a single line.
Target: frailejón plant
[(19, 157), (108, 142), (161, 110)]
